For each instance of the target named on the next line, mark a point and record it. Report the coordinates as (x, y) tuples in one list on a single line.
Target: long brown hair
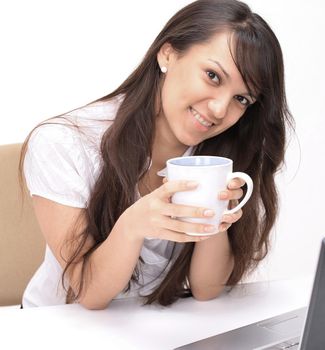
[(256, 142)]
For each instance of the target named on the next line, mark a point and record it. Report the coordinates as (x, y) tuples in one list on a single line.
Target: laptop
[(302, 329)]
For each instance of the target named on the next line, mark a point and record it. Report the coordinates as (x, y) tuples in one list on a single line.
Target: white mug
[(213, 175)]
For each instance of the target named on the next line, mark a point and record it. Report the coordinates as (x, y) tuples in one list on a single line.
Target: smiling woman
[(211, 83), (212, 91)]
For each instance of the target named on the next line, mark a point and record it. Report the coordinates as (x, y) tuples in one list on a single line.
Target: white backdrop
[(58, 55)]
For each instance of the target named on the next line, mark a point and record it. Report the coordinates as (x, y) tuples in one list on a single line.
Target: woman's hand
[(152, 215), (233, 194)]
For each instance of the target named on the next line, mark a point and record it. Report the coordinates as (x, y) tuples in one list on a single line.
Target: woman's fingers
[(232, 218), (236, 183), (228, 219), (224, 227), (170, 187), (185, 227), (175, 230), (231, 194), (183, 211), (179, 237), (233, 190)]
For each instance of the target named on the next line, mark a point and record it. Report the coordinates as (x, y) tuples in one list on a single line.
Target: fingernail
[(192, 184), (233, 184), (223, 195), (208, 212)]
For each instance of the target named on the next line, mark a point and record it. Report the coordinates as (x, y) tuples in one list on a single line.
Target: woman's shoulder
[(82, 125), (98, 111)]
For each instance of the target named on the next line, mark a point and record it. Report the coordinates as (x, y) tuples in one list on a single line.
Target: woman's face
[(203, 93)]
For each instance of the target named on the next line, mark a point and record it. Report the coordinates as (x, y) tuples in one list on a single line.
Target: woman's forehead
[(218, 47), (217, 51)]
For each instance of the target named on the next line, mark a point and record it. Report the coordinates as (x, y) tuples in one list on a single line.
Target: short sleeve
[(56, 165)]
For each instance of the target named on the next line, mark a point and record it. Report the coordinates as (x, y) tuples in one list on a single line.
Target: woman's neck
[(165, 146)]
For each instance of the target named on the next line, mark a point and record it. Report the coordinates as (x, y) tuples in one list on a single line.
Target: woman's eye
[(213, 76), (242, 100)]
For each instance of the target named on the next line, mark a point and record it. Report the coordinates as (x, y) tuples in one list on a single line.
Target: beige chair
[(22, 245)]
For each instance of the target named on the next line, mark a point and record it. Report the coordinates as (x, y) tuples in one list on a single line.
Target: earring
[(163, 69)]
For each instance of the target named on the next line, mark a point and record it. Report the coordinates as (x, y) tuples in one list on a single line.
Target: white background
[(58, 55)]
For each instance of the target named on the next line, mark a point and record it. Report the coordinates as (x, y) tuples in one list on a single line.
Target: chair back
[(22, 245)]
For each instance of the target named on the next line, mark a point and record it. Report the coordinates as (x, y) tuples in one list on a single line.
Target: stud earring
[(163, 69)]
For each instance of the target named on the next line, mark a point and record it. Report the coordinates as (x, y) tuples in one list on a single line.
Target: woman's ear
[(165, 55)]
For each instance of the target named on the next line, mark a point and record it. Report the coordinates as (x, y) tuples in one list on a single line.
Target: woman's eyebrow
[(220, 66)]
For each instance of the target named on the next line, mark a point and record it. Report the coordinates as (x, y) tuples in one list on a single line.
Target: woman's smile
[(200, 121)]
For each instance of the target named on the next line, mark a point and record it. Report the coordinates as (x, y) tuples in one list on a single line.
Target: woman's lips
[(202, 121)]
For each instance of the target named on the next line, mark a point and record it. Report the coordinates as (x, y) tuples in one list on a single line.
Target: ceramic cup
[(213, 175)]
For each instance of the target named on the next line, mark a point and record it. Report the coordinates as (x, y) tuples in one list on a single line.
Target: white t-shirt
[(62, 164)]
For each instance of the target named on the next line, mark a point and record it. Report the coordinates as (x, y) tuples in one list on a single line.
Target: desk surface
[(126, 324)]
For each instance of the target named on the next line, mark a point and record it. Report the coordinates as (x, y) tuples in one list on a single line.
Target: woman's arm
[(212, 261), (112, 264), (211, 265)]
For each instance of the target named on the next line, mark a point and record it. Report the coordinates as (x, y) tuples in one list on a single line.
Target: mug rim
[(169, 162)]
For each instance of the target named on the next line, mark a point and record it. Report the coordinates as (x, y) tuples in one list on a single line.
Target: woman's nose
[(218, 108)]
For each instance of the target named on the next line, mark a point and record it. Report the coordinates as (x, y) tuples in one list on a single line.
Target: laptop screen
[(314, 331)]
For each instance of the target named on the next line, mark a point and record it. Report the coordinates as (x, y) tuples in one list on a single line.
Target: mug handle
[(249, 183)]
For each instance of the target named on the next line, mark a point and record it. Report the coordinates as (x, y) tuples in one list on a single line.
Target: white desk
[(128, 325)]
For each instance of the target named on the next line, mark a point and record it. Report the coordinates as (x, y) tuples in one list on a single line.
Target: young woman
[(212, 83)]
